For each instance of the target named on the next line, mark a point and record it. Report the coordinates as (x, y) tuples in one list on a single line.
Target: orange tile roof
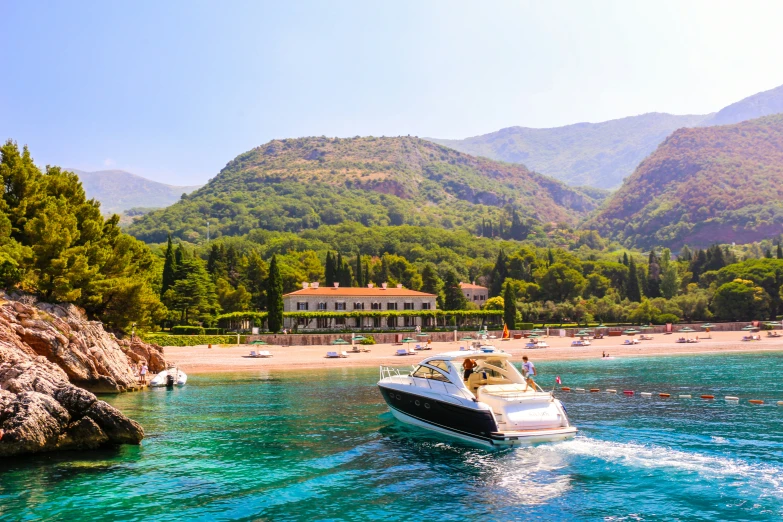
[(358, 292), (472, 286)]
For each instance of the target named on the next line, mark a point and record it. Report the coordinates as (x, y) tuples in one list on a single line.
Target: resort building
[(315, 298), (475, 293)]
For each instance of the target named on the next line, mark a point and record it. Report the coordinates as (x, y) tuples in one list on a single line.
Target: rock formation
[(48, 353)]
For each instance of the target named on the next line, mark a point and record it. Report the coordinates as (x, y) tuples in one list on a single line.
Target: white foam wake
[(647, 456)]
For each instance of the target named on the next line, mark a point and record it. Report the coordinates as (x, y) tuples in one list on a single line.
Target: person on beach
[(468, 365), (143, 373), (530, 370)]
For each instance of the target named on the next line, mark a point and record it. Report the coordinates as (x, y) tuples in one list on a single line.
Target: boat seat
[(475, 380)]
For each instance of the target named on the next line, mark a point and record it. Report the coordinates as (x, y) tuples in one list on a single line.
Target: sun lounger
[(264, 354), (253, 353), (332, 355)]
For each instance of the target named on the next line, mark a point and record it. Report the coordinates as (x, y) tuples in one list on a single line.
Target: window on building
[(303, 322), (391, 306), (339, 321), (339, 306), (322, 322), (425, 306), (321, 306), (483, 297), (301, 306), (475, 298), (407, 306), (376, 322), (358, 306), (375, 306), (391, 322), (409, 321)]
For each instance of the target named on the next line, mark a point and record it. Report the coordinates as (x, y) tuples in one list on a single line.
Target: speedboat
[(169, 378), (493, 407)]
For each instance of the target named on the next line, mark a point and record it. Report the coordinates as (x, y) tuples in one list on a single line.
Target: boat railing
[(392, 371)]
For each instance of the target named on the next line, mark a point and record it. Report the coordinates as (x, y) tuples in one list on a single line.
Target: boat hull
[(469, 424)]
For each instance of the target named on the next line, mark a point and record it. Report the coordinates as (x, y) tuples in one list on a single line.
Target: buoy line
[(664, 395)]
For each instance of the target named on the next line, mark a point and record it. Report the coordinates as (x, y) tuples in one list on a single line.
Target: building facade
[(475, 293), (315, 298)]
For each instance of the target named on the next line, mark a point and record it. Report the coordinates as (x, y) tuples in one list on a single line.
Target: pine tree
[(510, 306), (633, 291), (498, 274), (653, 287), (274, 297), (168, 269)]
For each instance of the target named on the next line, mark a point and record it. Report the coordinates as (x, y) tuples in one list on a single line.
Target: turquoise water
[(320, 445)]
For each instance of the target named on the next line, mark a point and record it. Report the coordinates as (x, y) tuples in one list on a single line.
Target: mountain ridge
[(119, 190)]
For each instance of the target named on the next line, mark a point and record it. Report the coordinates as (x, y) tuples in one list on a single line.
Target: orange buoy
[(565, 388), (707, 396), (628, 392), (593, 390), (755, 401), (664, 395)]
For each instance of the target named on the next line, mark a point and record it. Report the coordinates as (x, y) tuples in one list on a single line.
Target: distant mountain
[(705, 185), (756, 106), (295, 184), (603, 154), (118, 190), (593, 154)]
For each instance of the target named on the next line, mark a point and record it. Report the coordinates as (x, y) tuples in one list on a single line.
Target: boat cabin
[(493, 368)]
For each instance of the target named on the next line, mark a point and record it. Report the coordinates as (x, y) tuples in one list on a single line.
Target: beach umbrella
[(582, 334), (409, 340), (750, 328), (359, 338), (645, 328), (687, 329), (533, 335), (422, 335), (631, 331), (258, 341), (467, 338), (340, 341)]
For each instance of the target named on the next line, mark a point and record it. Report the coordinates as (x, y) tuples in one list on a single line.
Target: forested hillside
[(298, 184), (702, 186), (118, 190)]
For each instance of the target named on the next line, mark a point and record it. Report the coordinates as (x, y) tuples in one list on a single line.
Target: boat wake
[(768, 478)]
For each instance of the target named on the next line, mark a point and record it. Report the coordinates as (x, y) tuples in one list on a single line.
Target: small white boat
[(169, 378)]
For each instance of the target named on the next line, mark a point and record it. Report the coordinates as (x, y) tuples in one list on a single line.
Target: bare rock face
[(48, 353)]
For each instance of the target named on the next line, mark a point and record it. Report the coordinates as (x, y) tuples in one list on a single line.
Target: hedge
[(367, 313), (524, 326), (187, 330), (190, 340)]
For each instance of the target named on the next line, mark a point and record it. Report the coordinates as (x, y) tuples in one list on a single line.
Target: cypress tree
[(779, 253), (653, 288), (329, 270), (453, 298), (633, 292), (550, 258), (510, 307), (274, 297), (625, 258), (359, 275), (168, 269), (498, 275)]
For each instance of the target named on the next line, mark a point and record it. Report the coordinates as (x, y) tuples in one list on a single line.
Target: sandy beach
[(235, 358)]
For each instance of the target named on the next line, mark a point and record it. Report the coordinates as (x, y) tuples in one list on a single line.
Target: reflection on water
[(321, 445)]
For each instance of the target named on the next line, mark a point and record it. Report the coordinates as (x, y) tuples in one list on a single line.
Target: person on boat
[(530, 371), (468, 365)]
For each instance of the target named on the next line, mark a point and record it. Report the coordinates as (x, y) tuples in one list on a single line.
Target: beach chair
[(264, 353), (402, 351), (344, 354), (332, 355), (253, 353)]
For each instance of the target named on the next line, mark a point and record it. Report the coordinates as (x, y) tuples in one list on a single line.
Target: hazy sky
[(173, 90)]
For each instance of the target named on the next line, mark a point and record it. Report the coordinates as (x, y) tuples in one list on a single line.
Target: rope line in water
[(663, 395)]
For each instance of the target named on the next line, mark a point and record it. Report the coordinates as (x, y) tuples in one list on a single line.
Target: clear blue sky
[(173, 90)]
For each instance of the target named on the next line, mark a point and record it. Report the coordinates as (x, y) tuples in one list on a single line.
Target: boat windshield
[(431, 371)]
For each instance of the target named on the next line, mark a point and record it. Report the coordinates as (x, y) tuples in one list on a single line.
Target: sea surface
[(321, 445)]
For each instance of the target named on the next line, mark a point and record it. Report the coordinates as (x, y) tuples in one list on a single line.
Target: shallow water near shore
[(321, 445)]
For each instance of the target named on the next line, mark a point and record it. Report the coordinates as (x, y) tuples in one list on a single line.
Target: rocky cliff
[(48, 354)]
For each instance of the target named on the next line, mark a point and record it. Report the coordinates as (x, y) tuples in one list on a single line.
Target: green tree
[(561, 283), (494, 303), (168, 268), (274, 297), (193, 293), (453, 298), (670, 277), (509, 307), (359, 276), (633, 290), (331, 271), (740, 300), (498, 275)]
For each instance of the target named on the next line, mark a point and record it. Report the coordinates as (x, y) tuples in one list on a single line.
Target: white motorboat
[(169, 378), (494, 406)]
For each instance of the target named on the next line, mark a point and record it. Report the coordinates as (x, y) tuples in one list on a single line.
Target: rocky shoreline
[(52, 362)]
